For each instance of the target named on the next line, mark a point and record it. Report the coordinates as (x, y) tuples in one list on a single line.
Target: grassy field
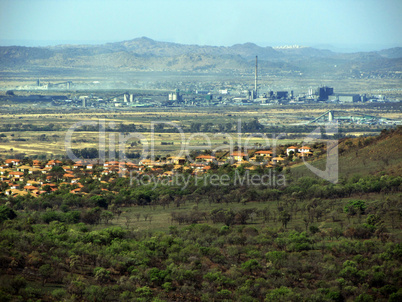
[(29, 142), (157, 218)]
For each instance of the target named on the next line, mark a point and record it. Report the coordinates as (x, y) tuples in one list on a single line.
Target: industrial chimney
[(256, 74)]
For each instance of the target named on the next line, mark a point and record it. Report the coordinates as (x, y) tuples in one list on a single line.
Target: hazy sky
[(346, 24)]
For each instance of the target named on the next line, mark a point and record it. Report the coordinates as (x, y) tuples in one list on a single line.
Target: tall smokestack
[(256, 74)]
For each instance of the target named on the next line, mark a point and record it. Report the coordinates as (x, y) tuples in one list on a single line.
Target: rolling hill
[(144, 54)]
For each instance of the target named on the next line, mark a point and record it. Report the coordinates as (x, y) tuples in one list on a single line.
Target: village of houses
[(34, 177)]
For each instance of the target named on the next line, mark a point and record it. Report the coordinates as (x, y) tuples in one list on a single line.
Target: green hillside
[(307, 241), (371, 155)]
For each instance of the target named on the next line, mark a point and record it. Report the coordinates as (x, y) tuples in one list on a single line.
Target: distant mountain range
[(144, 54)]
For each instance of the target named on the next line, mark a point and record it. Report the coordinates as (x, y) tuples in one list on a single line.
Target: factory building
[(348, 98), (324, 92), (175, 96), (345, 98), (281, 94)]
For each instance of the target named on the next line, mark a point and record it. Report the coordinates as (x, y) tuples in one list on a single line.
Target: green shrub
[(224, 293), (355, 205), (388, 289), (364, 298), (396, 297), (251, 265), (17, 283), (335, 296), (282, 294), (6, 213), (276, 256), (59, 294), (144, 291), (167, 286), (313, 229), (50, 216)]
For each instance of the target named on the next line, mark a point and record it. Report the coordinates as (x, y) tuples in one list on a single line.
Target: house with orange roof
[(131, 165), (15, 186), (238, 156), (30, 188), (52, 163), (47, 169), (277, 160), (67, 176), (107, 172), (206, 168), (167, 173), (304, 149), (12, 162), (148, 163), (33, 170), (76, 191), (291, 149), (109, 164), (16, 175), (24, 168), (36, 163), (4, 171), (33, 183), (78, 166)]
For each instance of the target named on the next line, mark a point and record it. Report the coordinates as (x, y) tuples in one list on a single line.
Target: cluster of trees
[(229, 259), (194, 263), (29, 127)]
